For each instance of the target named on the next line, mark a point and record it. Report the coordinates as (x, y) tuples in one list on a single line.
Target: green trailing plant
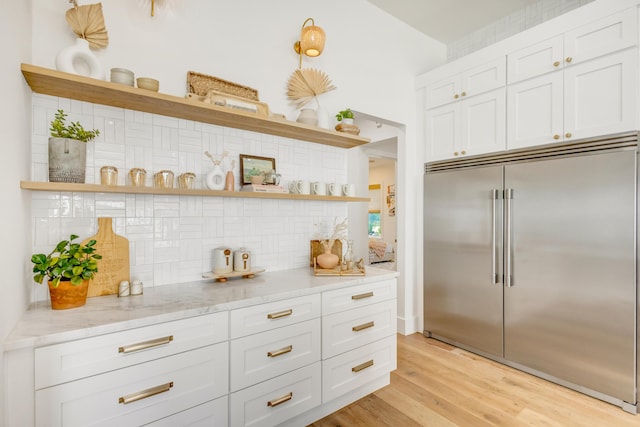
[(344, 114), (73, 262), (59, 129)]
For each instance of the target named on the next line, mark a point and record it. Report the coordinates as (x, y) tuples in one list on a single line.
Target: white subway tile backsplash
[(172, 238)]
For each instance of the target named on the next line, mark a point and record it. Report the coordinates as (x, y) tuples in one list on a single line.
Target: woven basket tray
[(201, 84)]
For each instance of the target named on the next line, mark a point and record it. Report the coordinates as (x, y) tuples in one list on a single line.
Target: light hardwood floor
[(439, 385)]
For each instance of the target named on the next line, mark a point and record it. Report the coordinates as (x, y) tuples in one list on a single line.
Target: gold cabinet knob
[(569, 59), (568, 135), (455, 153), (463, 152), (556, 136), (456, 96), (464, 93), (556, 64)]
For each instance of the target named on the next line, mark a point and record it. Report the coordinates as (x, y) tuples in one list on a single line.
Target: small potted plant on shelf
[(68, 269), (68, 149), (345, 116), (345, 122)]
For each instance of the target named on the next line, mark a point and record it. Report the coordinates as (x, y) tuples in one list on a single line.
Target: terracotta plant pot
[(67, 295)]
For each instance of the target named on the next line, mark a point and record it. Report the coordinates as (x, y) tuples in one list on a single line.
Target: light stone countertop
[(40, 325)]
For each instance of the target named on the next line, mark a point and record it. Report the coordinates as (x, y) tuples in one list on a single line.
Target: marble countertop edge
[(41, 326)]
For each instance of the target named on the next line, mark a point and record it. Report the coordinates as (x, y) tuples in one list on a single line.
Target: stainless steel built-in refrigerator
[(530, 259)]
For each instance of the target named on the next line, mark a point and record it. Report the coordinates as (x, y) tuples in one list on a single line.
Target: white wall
[(374, 72), (15, 43)]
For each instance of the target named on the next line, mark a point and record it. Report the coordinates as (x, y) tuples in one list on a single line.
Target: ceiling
[(450, 20)]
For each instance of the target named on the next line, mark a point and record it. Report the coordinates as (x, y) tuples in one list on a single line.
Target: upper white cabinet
[(598, 38), (473, 126), (474, 81)]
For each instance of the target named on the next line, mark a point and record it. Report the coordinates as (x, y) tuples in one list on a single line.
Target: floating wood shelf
[(57, 83), (127, 189)]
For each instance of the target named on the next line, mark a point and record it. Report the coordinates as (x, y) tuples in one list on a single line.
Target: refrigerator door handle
[(508, 196), (494, 258)]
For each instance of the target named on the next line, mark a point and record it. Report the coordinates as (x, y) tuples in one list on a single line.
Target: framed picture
[(254, 165)]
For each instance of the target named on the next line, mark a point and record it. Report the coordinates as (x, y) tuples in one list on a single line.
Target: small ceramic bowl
[(148, 83), (122, 76)]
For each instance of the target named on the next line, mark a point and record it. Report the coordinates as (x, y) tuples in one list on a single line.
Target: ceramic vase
[(75, 58), (327, 259), (66, 295), (229, 182), (324, 120), (215, 179), (308, 116), (67, 160)]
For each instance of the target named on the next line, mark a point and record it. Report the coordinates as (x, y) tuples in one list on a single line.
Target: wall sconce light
[(311, 41)]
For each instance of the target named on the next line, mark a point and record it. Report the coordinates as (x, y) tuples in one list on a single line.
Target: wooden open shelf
[(57, 83), (126, 189)]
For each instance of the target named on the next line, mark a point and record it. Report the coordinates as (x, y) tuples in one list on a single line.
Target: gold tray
[(337, 272), (224, 276)]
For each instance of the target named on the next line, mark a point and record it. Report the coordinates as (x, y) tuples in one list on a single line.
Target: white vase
[(215, 179), (324, 120), (78, 59)]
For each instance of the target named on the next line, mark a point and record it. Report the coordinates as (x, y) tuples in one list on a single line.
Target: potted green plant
[(68, 149), (68, 269), (345, 116)]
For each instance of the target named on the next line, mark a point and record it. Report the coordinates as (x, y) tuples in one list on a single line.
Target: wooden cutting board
[(114, 265)]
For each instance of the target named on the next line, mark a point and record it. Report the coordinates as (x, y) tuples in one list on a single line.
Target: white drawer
[(347, 330), (351, 370), (259, 357), (211, 414), (189, 379), (357, 296), (275, 401), (73, 360), (260, 318)]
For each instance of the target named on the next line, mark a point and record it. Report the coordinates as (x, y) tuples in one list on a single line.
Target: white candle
[(123, 289), (136, 287)]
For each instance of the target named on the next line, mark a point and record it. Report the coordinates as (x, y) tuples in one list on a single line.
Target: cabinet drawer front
[(350, 329), (535, 60), (275, 401), (69, 361), (151, 390), (351, 370), (358, 296), (260, 318), (210, 414), (259, 357), (601, 37)]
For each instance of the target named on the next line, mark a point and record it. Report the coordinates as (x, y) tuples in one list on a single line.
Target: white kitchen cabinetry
[(469, 83), (596, 97), (597, 38), (275, 361), (358, 337), (134, 380), (473, 126)]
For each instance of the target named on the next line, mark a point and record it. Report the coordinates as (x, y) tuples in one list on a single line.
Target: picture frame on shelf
[(254, 165)]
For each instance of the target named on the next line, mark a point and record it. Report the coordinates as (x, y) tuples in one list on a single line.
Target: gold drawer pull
[(363, 326), (361, 296), (278, 401), (362, 366), (556, 64), (145, 344), (280, 352), (130, 398), (280, 314)]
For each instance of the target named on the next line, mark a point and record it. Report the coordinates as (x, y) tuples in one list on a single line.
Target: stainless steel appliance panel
[(463, 252), (570, 309)]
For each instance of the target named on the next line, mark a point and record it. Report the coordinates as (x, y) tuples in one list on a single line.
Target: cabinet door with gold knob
[(535, 60), (442, 131), (442, 92)]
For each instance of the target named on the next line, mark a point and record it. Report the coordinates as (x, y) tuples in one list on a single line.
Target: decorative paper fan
[(88, 23), (307, 83)]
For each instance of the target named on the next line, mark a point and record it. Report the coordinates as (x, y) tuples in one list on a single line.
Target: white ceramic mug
[(303, 187), (293, 189), (319, 188), (335, 189), (349, 190)]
